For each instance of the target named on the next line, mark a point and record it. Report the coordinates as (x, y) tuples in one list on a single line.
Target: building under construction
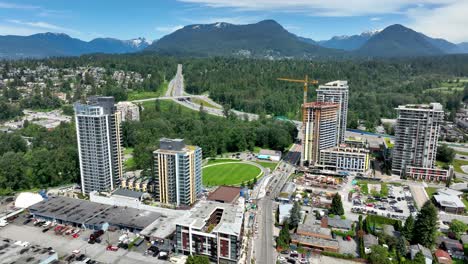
[(320, 129)]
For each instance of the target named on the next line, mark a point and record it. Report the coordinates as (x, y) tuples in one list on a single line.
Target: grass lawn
[(271, 165), (214, 161), (431, 191), (461, 153), (465, 202), (128, 151), (130, 164), (457, 165), (205, 103), (138, 95), (229, 174)]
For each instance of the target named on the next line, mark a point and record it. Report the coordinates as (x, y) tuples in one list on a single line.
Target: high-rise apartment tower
[(416, 134), (336, 92), (99, 144), (177, 171), (320, 129)]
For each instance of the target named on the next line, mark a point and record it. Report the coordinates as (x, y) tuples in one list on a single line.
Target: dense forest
[(215, 135), (37, 158), (376, 86), (34, 157)]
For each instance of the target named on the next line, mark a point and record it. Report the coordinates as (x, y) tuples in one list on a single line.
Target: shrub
[(337, 255)]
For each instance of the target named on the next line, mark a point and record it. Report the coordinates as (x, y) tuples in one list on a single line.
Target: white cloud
[(323, 8), (28, 27), (448, 22), (6, 5), (168, 29), (375, 19), (17, 30)]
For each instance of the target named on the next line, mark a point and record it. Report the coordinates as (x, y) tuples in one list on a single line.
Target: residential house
[(414, 249)]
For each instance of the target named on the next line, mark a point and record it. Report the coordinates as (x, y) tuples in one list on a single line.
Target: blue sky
[(317, 19)]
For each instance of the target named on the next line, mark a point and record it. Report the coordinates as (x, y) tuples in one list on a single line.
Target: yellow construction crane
[(306, 83)]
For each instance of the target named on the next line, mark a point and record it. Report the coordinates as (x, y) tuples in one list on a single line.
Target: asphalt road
[(265, 252)]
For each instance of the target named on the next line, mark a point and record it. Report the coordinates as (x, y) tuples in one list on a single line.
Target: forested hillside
[(376, 86)]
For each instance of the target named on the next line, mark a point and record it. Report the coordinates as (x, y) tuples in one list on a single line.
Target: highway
[(176, 92)]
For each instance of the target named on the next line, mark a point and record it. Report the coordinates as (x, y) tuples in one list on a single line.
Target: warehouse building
[(90, 215)]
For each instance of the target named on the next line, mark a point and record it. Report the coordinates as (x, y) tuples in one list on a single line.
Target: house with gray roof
[(414, 249)]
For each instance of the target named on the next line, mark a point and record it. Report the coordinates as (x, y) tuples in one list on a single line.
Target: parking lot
[(65, 245), (397, 205)]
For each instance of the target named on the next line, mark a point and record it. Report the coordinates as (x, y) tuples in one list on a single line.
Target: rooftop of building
[(86, 212), (448, 191), (414, 249), (269, 152), (431, 106), (347, 150), (315, 241), (128, 193), (288, 188), (313, 228), (449, 201), (336, 84), (370, 240), (12, 252), (167, 145), (230, 222), (337, 222), (225, 194)]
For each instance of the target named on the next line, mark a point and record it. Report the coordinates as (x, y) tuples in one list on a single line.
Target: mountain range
[(265, 39), (58, 44)]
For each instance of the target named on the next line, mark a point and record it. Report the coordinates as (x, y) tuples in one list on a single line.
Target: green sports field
[(233, 173)]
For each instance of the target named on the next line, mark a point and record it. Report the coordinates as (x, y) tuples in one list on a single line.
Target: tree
[(445, 153), (458, 227), (284, 237), (201, 112), (367, 226), (197, 260), (337, 205), (425, 227), (408, 227), (295, 215), (401, 246), (419, 258), (379, 255)]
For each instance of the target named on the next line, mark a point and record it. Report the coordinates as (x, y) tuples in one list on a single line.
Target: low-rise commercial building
[(449, 200), (91, 215), (267, 154), (428, 174), (212, 229), (225, 194)]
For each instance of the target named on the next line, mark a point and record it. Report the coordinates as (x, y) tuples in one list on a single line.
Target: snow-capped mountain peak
[(370, 32), (139, 42)]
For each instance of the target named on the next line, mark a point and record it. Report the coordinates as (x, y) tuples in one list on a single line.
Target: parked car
[(112, 248)]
